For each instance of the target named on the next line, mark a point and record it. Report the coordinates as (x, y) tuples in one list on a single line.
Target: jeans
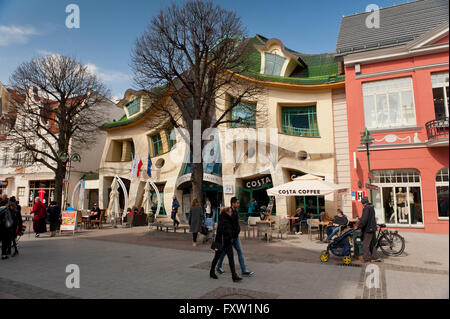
[(236, 242), (331, 231), (228, 250), (194, 238)]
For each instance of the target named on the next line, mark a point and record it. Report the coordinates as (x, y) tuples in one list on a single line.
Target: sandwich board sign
[(69, 221)]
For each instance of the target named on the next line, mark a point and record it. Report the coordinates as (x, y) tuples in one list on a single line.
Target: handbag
[(203, 229), (216, 246)]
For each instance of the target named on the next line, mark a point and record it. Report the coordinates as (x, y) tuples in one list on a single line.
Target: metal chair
[(282, 226), (311, 226)]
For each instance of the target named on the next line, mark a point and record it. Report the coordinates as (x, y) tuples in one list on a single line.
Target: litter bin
[(357, 243)]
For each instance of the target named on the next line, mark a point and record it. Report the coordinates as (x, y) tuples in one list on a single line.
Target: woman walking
[(54, 217), (195, 220), (5, 228), (224, 236), (39, 225), (15, 209)]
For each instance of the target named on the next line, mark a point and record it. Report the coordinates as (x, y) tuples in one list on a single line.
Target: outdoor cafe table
[(291, 220), (268, 223)]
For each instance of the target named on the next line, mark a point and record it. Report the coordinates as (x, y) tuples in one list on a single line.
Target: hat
[(364, 200)]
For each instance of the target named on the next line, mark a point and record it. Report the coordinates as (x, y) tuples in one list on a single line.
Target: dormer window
[(133, 107), (273, 64)]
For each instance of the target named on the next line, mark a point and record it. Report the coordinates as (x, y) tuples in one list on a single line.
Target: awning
[(306, 185)]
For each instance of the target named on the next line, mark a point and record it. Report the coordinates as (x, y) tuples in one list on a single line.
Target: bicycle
[(390, 242)]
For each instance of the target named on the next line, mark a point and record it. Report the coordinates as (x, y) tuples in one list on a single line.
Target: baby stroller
[(209, 231), (340, 246)]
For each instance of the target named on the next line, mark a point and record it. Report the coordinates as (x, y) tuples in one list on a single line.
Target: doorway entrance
[(255, 188)]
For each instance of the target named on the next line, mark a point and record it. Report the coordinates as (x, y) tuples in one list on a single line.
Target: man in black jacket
[(236, 242), (368, 226)]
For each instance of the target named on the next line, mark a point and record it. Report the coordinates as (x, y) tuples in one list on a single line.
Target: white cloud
[(107, 75), (45, 52), (15, 34)]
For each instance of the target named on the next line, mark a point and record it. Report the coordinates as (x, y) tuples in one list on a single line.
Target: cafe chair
[(251, 224), (282, 226), (311, 226)]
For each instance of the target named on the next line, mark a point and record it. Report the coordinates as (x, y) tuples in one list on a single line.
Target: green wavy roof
[(321, 69)]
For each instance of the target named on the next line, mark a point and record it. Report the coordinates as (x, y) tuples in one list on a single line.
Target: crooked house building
[(302, 113)]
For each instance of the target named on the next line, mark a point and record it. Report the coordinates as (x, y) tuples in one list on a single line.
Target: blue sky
[(108, 29)]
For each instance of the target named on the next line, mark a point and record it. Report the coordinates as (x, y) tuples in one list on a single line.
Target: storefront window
[(398, 200), (43, 189), (442, 192)]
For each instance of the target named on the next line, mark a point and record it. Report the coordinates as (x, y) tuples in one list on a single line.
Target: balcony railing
[(437, 128)]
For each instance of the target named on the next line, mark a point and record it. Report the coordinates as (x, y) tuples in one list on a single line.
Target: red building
[(397, 87)]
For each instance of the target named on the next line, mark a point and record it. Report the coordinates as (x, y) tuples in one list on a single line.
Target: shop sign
[(294, 175), (206, 178), (357, 196), (228, 189), (372, 187), (259, 182), (299, 192)]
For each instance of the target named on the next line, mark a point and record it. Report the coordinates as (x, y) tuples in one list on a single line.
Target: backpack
[(8, 218)]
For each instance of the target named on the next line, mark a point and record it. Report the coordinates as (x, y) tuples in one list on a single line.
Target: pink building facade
[(400, 94)]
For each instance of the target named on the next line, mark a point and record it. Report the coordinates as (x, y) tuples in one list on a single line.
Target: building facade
[(25, 180), (397, 87), (302, 114)]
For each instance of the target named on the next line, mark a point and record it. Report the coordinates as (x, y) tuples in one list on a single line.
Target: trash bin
[(357, 243)]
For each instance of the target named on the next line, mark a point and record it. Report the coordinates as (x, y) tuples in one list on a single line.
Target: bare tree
[(60, 112), (194, 54)]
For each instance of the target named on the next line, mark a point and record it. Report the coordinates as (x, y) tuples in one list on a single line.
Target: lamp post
[(68, 160), (367, 139)]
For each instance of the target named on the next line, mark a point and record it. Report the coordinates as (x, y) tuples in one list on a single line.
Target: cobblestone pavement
[(137, 263)]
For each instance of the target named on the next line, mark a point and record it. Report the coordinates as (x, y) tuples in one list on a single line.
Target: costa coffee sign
[(259, 182)]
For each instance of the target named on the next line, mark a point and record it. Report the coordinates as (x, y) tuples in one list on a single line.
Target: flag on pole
[(149, 165), (139, 165), (133, 167)]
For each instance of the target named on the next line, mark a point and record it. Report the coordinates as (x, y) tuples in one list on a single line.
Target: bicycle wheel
[(392, 244)]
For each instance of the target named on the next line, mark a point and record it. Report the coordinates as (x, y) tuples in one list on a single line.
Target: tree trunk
[(197, 182), (60, 174)]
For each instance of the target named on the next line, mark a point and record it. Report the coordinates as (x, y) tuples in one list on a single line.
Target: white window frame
[(443, 85), (386, 93), (440, 184), (406, 186)]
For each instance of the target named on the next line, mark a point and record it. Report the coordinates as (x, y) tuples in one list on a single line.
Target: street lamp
[(367, 139), (66, 158)]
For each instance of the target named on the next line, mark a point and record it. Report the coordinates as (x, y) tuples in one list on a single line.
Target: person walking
[(224, 237), (54, 217), (39, 224), (6, 224), (196, 219), (236, 242), (368, 227), (175, 205), (17, 223), (208, 208)]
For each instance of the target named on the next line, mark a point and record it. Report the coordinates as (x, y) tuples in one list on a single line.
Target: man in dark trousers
[(368, 227), (236, 242)]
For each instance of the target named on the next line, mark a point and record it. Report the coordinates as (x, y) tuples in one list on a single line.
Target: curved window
[(133, 107), (442, 192), (273, 64)]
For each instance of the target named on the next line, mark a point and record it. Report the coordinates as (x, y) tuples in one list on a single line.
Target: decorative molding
[(392, 138), (420, 67)]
